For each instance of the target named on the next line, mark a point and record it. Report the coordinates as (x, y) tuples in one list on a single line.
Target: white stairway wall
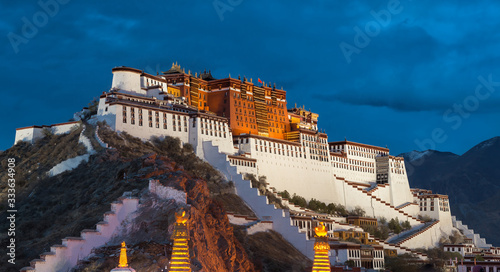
[(258, 203), (63, 257), (469, 233)]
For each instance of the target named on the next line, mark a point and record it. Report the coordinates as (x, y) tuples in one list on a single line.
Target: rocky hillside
[(51, 208), (471, 180)]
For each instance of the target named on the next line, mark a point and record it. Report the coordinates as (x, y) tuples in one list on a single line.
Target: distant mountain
[(472, 182)]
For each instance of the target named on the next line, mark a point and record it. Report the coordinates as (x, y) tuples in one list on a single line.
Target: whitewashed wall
[(31, 134), (400, 189), (303, 176), (128, 82), (145, 131), (428, 238), (63, 257)]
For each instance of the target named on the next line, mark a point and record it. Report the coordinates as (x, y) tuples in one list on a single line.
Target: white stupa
[(123, 264)]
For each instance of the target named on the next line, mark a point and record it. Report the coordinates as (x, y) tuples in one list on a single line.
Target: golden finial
[(123, 256), (229, 75), (251, 80), (320, 230), (181, 217)]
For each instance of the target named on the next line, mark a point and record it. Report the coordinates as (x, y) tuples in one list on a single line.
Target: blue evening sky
[(411, 75)]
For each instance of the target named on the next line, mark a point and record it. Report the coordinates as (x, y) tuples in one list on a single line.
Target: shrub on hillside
[(358, 211), (394, 226), (425, 218), (261, 185)]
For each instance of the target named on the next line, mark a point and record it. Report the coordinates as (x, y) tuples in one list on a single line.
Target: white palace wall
[(400, 189), (128, 82), (429, 237), (29, 134), (33, 133), (189, 129), (145, 131), (383, 192), (215, 130), (286, 169)]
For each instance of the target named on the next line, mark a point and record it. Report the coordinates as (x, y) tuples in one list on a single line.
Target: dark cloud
[(427, 58)]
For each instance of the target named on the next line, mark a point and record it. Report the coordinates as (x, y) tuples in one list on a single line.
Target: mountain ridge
[(471, 180)]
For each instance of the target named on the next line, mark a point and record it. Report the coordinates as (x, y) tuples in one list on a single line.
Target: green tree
[(394, 226), (425, 218), (285, 194), (317, 206), (401, 263), (384, 232), (406, 225), (298, 200), (349, 263), (358, 211), (341, 210)]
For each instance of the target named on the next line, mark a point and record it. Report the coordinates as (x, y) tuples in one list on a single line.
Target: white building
[(33, 133)]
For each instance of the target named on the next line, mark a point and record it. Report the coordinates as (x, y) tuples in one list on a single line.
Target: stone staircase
[(404, 205), (98, 138), (63, 257), (409, 217), (469, 233), (370, 190), (400, 249), (409, 234)]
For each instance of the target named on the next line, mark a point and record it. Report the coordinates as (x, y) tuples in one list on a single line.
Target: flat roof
[(53, 125), (345, 142)]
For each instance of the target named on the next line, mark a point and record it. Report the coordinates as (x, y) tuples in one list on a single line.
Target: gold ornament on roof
[(123, 256), (181, 217), (320, 230)]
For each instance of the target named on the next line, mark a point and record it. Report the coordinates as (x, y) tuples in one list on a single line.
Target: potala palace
[(240, 126)]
